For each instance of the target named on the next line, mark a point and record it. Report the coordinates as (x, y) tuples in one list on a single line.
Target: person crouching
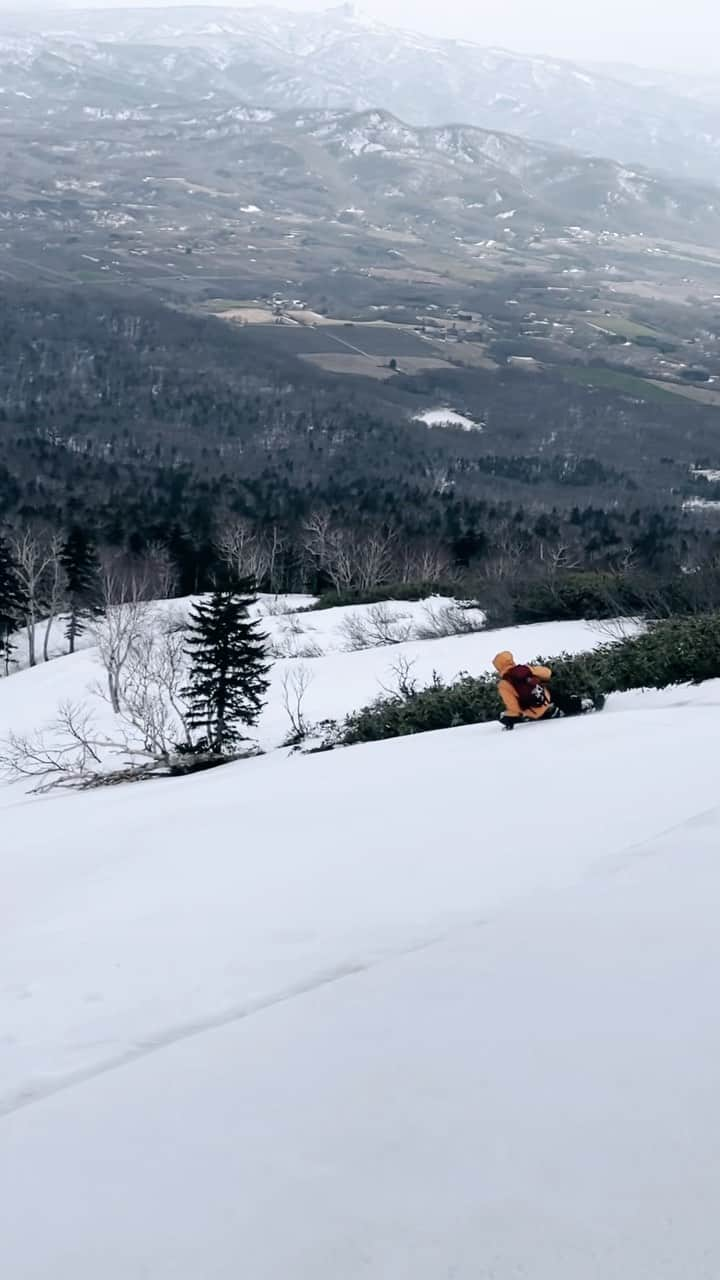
[(526, 693)]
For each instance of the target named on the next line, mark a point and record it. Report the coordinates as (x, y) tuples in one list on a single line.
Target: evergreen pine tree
[(12, 602), (228, 667), (80, 564)]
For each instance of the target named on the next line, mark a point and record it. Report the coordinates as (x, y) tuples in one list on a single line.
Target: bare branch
[(450, 619), (118, 633), (34, 560), (405, 682), (66, 754), (295, 684), (55, 590)]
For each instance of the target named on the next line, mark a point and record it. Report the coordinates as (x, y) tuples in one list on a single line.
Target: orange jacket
[(503, 662)]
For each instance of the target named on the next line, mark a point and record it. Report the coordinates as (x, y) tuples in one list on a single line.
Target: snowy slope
[(340, 680), (441, 1006), (367, 1014)]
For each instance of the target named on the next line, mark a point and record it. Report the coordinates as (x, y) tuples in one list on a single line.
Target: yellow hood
[(502, 662)]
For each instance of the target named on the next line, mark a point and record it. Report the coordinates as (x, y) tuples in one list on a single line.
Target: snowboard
[(596, 704)]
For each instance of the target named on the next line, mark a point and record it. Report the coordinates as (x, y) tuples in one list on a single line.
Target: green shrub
[(440, 706), (676, 651), (379, 595), (607, 594), (569, 595)]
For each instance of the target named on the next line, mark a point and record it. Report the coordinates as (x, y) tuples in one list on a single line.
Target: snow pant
[(560, 705), (564, 704)]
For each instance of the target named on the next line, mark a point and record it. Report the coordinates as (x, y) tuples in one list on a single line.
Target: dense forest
[(179, 441)]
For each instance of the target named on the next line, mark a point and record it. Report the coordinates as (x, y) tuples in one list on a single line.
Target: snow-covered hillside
[(337, 58), (339, 653), (440, 1006)]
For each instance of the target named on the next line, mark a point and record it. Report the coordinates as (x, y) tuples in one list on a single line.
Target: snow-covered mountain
[(504, 181), (338, 59), (158, 164), (436, 1006)]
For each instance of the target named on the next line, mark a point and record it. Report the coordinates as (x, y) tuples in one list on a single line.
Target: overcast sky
[(648, 32)]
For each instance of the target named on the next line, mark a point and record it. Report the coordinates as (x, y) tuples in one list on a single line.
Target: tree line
[(55, 580), (173, 445)]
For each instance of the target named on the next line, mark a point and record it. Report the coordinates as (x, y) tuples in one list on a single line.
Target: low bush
[(606, 594), (379, 625), (674, 651), (567, 596), (458, 618), (469, 700), (384, 594)]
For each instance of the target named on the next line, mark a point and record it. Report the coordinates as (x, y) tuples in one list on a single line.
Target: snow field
[(533, 1096), (438, 1006), (339, 680)]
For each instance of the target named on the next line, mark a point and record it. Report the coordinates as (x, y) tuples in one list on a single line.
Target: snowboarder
[(527, 695)]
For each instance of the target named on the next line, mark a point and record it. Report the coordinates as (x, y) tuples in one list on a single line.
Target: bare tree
[(374, 558), (65, 754), (275, 547), (118, 634), (244, 551), (73, 752), (316, 537), (507, 556), (148, 682), (428, 563), (350, 560), (558, 557), (54, 590), (127, 579), (405, 682), (34, 560), (161, 572), (124, 619), (295, 684), (293, 641), (376, 626), (328, 550), (450, 619), (149, 724)]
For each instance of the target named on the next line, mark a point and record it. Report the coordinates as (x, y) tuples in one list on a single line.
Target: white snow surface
[(447, 418), (440, 1006), (340, 680), (700, 504)]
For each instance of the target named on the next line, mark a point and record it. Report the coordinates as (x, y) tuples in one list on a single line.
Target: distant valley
[(245, 267)]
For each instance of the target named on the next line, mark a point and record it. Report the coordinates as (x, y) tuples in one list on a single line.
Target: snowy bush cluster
[(383, 623), (674, 651)]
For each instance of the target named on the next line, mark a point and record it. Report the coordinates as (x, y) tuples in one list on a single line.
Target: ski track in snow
[(379, 996), (614, 864), (611, 862), (170, 1036)]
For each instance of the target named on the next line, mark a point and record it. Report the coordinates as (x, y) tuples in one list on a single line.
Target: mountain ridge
[(335, 59)]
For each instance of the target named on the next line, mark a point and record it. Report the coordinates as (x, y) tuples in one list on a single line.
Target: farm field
[(382, 340), (623, 327), (701, 395), (349, 363), (368, 366), (614, 378)]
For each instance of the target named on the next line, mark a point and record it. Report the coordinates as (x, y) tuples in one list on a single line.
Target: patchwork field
[(623, 327), (351, 348), (641, 388), (701, 395), (368, 366), (360, 366)]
